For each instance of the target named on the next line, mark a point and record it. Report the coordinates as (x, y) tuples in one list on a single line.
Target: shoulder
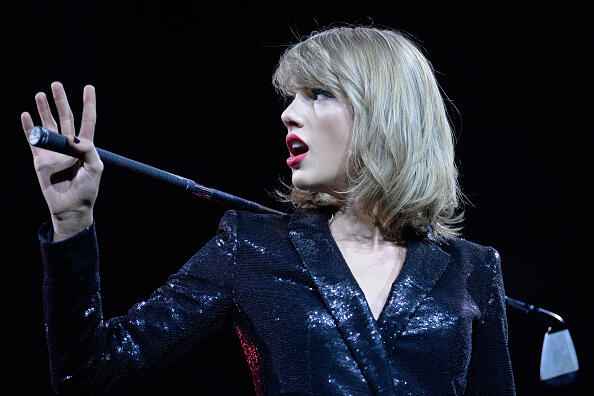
[(467, 250), (247, 222), (482, 263)]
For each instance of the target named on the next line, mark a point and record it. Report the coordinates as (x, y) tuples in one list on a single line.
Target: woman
[(363, 289)]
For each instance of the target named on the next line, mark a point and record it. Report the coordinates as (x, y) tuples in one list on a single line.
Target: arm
[(90, 355), (490, 371), (87, 353)]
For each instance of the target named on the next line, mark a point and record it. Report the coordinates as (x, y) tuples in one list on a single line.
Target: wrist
[(66, 226)]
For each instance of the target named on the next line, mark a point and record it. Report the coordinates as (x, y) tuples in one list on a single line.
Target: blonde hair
[(400, 164)]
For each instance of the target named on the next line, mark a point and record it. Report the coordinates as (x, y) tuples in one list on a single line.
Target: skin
[(325, 125), (70, 186), (309, 113)]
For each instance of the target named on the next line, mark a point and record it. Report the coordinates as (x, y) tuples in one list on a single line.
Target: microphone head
[(35, 135), (558, 361)]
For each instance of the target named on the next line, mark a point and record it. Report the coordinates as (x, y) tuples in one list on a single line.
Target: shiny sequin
[(252, 358), (300, 316)]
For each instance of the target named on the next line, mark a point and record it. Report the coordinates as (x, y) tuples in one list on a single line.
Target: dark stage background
[(188, 89)]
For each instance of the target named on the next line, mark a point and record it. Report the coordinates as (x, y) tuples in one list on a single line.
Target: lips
[(297, 148)]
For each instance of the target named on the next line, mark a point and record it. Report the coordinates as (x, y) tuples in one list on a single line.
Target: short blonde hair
[(400, 164)]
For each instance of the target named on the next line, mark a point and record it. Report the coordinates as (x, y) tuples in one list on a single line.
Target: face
[(319, 133)]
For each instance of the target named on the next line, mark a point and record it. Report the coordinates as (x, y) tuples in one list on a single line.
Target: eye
[(319, 94)]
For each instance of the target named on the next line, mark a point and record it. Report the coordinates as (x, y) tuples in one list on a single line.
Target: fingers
[(92, 161), (47, 120), (67, 128), (64, 112), (27, 123), (89, 115)]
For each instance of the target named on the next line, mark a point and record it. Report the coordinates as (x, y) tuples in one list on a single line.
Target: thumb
[(87, 153)]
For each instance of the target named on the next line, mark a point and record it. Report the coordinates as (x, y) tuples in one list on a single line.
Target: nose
[(292, 117)]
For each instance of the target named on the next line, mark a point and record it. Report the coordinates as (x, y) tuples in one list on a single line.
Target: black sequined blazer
[(299, 313)]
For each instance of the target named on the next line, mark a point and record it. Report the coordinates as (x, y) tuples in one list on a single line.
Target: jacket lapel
[(424, 264), (342, 295)]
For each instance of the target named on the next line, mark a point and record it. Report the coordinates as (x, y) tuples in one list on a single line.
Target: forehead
[(300, 82)]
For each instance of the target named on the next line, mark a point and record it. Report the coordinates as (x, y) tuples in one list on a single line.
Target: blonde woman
[(365, 288)]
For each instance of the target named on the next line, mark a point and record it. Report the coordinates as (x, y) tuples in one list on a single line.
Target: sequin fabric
[(301, 317)]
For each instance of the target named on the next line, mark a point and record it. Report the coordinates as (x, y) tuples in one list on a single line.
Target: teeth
[(295, 145)]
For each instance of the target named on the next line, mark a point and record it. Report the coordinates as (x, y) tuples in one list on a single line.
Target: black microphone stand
[(46, 139)]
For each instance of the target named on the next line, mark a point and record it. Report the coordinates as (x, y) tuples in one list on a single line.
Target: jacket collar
[(423, 265)]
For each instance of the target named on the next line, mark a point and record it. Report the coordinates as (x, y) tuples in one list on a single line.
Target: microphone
[(44, 138), (558, 359)]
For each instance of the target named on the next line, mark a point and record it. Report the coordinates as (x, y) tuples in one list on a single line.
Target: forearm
[(87, 353), (72, 307), (92, 355)]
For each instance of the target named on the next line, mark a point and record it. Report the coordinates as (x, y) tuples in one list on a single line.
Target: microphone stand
[(558, 359), (46, 139)]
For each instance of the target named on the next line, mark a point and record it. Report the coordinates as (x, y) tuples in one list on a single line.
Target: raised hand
[(69, 185)]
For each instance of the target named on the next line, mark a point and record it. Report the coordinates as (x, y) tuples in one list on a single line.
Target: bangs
[(305, 65)]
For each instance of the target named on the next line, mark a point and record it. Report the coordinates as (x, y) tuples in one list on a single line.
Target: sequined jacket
[(301, 317)]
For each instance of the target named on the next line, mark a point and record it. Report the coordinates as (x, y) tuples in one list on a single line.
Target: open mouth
[(297, 148), (295, 145)]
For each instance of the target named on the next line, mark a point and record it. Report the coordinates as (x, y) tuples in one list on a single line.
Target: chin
[(302, 182), (312, 185)]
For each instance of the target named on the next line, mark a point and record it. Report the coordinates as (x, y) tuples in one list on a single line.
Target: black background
[(187, 88)]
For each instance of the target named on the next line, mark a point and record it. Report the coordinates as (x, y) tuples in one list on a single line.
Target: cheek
[(339, 126)]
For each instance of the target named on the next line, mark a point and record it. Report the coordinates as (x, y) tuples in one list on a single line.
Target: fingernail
[(76, 140)]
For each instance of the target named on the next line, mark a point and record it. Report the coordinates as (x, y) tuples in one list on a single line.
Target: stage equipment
[(558, 360), (46, 139)]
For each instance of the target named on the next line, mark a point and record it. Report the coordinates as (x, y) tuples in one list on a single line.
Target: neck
[(352, 225)]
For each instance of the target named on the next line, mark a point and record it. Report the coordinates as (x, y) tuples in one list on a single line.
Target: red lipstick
[(297, 148)]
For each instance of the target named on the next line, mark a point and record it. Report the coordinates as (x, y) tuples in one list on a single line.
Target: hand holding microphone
[(69, 185), (69, 169)]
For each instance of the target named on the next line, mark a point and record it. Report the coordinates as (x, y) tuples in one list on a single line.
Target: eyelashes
[(318, 94), (313, 93)]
